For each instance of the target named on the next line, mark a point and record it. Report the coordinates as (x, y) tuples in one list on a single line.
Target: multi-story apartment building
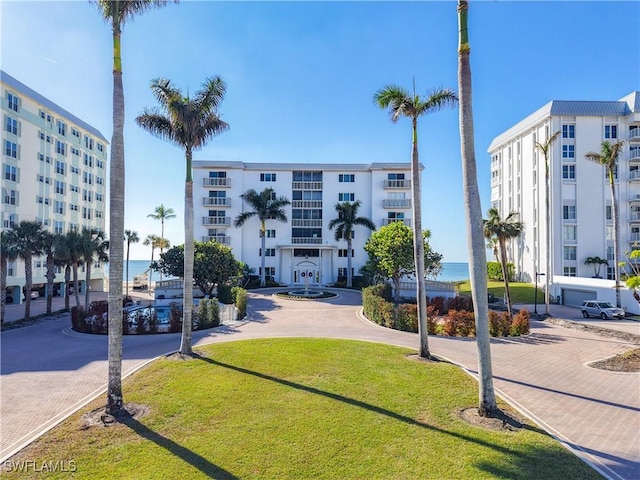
[(581, 221), (304, 244), (54, 169)]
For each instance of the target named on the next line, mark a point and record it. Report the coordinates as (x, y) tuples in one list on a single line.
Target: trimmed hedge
[(494, 271), (239, 296)]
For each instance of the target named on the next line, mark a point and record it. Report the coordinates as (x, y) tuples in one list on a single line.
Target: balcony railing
[(397, 184), (634, 154), (302, 222), (387, 221), (225, 221), (216, 201), (634, 133), (634, 217), (634, 237), (634, 174), (216, 182), (634, 198), (306, 240), (306, 186), (218, 238), (306, 204), (396, 203)]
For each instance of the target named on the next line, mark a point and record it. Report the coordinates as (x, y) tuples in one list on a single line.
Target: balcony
[(216, 202), (634, 154), (303, 222), (216, 182), (396, 203), (306, 186), (634, 133), (306, 204), (223, 221), (397, 184), (635, 198), (634, 175), (387, 221), (218, 238), (634, 237), (306, 240), (634, 217)]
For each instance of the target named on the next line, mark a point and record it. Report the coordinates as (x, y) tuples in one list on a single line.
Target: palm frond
[(157, 125), (435, 100)]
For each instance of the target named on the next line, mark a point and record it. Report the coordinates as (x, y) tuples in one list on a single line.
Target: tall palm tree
[(265, 206), (74, 249), (117, 12), (608, 158), (27, 239), (151, 241), (487, 406), (63, 258), (401, 103), (94, 247), (49, 243), (347, 219), (8, 254), (503, 230), (188, 123), (161, 213), (130, 236), (545, 148)]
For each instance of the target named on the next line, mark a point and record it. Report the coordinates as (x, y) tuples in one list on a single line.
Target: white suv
[(604, 310)]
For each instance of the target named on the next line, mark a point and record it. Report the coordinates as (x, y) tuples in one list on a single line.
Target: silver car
[(604, 310)]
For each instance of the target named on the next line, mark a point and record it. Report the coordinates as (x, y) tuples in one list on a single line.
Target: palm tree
[(608, 158), (117, 12), (63, 258), (188, 123), (502, 231), (401, 103), (597, 263), (163, 244), (161, 213), (50, 242), (347, 219), (93, 246), (265, 206), (27, 239), (545, 148), (8, 254), (152, 241), (487, 406), (130, 237)]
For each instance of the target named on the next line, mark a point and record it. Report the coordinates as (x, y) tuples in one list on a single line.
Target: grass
[(522, 293), (301, 408)]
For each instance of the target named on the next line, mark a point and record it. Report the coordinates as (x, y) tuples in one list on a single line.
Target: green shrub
[(432, 319), (499, 323), (224, 294), (405, 317), (465, 323), (206, 314), (494, 271), (175, 319), (375, 307), (520, 323), (240, 300)]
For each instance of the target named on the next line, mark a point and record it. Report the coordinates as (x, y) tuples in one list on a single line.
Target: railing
[(397, 184), (306, 204), (634, 237), (300, 222), (306, 186), (634, 217), (634, 174), (634, 198), (430, 285), (634, 132), (216, 201), (396, 203), (387, 221), (216, 221), (306, 240), (216, 182), (634, 153), (218, 238)]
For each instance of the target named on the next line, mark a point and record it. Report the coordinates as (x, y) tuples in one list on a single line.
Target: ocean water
[(136, 267), (453, 272)]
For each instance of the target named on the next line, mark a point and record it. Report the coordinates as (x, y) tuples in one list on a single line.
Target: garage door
[(575, 298)]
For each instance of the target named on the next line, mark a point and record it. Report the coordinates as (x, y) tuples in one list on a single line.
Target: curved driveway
[(49, 372)]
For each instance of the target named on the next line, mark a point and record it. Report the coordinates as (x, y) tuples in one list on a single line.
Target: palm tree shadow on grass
[(195, 460)]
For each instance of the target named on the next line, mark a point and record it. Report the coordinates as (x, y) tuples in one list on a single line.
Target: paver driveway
[(48, 372)]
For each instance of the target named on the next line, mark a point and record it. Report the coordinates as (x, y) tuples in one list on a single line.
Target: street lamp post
[(535, 294)]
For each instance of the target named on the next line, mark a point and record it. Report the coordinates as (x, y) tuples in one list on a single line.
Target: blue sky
[(301, 76)]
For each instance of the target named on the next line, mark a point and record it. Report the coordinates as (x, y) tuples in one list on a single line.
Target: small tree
[(597, 263), (8, 253), (130, 236)]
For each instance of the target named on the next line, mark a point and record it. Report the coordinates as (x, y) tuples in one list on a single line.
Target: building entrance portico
[(306, 273)]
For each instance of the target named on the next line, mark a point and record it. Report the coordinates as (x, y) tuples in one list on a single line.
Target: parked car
[(604, 310)]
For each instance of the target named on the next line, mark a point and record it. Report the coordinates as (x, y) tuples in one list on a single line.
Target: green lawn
[(522, 293), (302, 408)]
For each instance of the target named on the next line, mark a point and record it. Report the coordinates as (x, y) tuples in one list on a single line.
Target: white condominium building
[(304, 244), (580, 199), (54, 169)]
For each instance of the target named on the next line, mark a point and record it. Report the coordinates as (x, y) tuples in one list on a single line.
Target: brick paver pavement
[(49, 372)]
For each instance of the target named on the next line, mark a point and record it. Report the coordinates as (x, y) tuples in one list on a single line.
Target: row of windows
[(309, 176), (62, 130), (10, 197)]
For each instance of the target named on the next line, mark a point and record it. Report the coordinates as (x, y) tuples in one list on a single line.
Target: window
[(88, 142), (47, 159), (569, 172), (74, 188), (86, 213), (75, 133), (11, 125), (59, 187), (309, 176), (99, 180), (10, 149), (42, 114), (346, 178), (267, 177), (40, 178), (75, 151), (41, 135), (87, 195), (268, 271), (10, 197), (342, 253), (99, 163), (98, 197), (88, 160), (346, 197), (100, 147), (611, 131), (569, 212), (75, 170), (98, 213), (268, 252), (61, 167), (395, 176), (569, 271), (73, 207), (87, 178), (610, 254), (58, 227), (10, 221), (569, 233), (270, 233), (58, 207), (568, 151), (568, 131), (342, 272), (62, 128), (10, 173), (12, 101), (48, 139), (353, 235), (569, 253), (41, 157), (395, 215), (61, 147)]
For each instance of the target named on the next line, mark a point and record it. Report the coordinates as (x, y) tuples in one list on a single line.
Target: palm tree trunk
[(127, 289), (616, 239), (67, 279), (51, 275), (115, 400), (187, 302), (418, 243), (4, 267), (547, 202), (88, 283), (151, 270), (505, 274), (263, 254), (475, 236), (349, 277), (28, 277), (76, 293), (162, 238)]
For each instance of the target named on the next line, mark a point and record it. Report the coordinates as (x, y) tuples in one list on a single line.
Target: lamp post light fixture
[(535, 294)]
